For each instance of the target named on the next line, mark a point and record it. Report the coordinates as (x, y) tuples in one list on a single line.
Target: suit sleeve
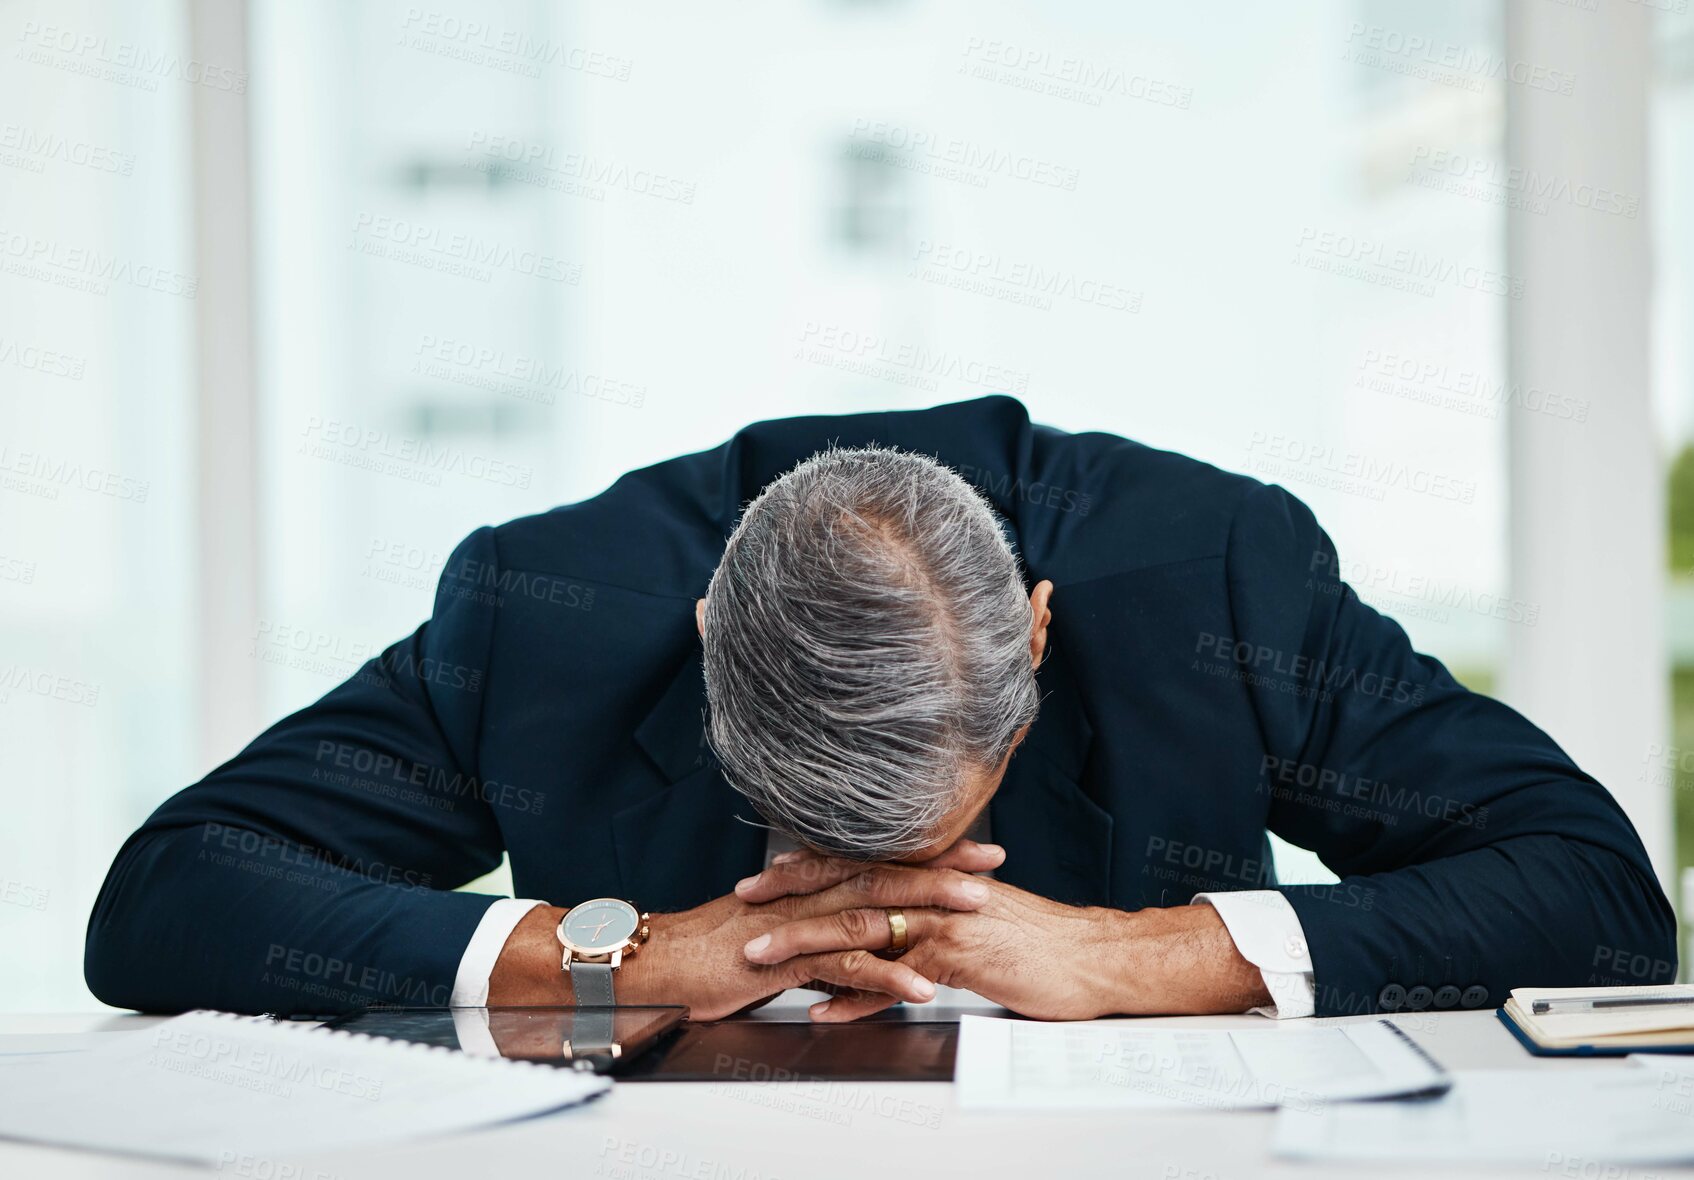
[(312, 873), (1474, 855)]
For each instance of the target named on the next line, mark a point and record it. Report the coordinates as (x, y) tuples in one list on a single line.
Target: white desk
[(867, 1131)]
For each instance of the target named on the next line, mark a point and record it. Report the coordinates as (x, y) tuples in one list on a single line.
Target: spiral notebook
[(211, 1088)]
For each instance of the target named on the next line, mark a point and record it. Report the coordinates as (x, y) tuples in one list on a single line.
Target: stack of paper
[(1024, 1064)]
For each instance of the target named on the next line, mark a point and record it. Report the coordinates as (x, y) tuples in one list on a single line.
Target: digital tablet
[(773, 1051), (779, 1042)]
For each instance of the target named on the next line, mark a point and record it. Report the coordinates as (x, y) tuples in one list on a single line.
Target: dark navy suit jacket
[(1210, 679)]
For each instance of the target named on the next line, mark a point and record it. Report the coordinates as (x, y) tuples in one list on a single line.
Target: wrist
[(1126, 986), (635, 980), (530, 967), (1181, 961)]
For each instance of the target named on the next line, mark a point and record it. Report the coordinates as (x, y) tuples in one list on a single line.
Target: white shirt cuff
[(470, 985), (1268, 934)]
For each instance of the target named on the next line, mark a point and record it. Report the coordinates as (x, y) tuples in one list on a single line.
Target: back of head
[(866, 649)]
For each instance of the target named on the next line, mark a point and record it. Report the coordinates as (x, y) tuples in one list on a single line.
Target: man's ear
[(700, 616), (1017, 740), (1040, 615)]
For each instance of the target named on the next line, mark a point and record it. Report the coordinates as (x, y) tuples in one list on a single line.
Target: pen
[(1598, 1004)]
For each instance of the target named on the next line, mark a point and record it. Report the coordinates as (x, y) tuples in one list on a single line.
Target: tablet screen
[(770, 1051)]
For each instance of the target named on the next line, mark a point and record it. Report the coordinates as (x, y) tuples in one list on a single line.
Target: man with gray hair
[(867, 641), (961, 700)]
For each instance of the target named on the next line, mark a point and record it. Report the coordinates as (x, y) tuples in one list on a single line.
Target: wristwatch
[(597, 936)]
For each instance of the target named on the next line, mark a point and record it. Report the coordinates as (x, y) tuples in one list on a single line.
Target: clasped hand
[(811, 920), (1037, 957)]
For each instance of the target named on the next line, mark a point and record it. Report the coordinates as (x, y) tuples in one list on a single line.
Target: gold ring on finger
[(896, 929)]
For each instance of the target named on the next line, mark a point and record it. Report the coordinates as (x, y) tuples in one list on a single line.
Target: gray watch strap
[(591, 1024), (591, 985)]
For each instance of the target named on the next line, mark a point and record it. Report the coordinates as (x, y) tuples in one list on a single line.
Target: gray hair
[(867, 643)]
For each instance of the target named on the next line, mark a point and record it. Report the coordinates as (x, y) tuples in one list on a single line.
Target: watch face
[(601, 924)]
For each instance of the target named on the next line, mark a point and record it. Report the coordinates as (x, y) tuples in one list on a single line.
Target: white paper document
[(210, 1087), (1020, 1064), (1555, 1119)]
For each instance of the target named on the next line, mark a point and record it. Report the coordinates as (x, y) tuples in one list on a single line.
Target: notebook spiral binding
[(1430, 1061), (300, 1029)]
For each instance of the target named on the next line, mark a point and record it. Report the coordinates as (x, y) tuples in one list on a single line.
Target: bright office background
[(1420, 262)]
